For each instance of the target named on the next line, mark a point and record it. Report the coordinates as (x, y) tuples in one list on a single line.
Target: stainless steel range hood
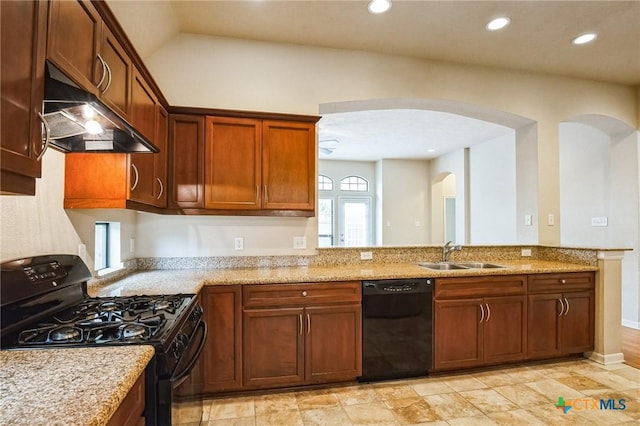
[(79, 122)]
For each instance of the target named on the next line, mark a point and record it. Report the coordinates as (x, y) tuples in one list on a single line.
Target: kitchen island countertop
[(192, 280), (70, 386)]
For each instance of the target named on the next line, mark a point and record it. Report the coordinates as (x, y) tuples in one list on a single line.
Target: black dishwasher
[(397, 328)]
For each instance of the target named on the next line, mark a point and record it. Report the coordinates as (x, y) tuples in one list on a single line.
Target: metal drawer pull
[(481, 313), (563, 281), (47, 138), (266, 195), (567, 304), (488, 312), (108, 81), (257, 193), (300, 323), (308, 324), (304, 293), (561, 307), (135, 182), (161, 188)]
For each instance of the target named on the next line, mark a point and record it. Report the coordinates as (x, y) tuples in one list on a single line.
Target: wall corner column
[(608, 303)]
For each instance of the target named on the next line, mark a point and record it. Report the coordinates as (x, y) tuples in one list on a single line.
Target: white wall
[(454, 163), (405, 216), (492, 191)]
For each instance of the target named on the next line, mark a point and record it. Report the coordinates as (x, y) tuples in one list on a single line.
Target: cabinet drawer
[(541, 283), (503, 285), (301, 294)]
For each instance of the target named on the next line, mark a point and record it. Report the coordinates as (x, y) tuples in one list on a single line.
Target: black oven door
[(180, 397)]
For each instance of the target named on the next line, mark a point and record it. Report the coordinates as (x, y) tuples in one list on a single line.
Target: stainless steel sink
[(446, 266), (480, 265), (441, 266)]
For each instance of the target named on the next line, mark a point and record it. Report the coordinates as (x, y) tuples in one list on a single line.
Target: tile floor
[(510, 396)]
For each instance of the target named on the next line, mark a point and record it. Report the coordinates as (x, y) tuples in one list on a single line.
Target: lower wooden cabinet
[(474, 331), (294, 343), (222, 354), (131, 411), (561, 314)]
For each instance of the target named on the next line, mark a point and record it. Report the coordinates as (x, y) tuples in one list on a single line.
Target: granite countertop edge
[(191, 281), (68, 386)]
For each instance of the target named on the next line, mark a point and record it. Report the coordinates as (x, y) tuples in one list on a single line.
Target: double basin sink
[(451, 266)]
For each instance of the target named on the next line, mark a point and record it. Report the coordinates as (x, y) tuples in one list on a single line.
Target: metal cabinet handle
[(481, 313), (257, 193), (161, 188), (567, 304), (304, 293), (47, 137), (109, 80), (135, 181), (266, 195), (561, 307), (300, 323), (104, 71), (488, 312), (308, 324), (563, 281)]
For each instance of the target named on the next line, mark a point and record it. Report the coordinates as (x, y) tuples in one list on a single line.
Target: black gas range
[(44, 304)]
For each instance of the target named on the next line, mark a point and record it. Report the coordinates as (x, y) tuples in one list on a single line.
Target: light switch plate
[(551, 219), (599, 221)]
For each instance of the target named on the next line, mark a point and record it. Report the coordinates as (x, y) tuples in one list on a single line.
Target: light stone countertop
[(70, 386), (173, 281)]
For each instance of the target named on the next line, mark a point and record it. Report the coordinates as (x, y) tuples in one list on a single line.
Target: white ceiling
[(538, 40)]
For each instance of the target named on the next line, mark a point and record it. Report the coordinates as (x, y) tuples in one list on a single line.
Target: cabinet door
[(74, 41), (143, 107), (160, 159), (578, 322), (186, 161), (222, 356), (273, 347), (458, 333), (288, 165), (115, 90), (23, 38), (505, 329), (233, 163), (333, 346), (543, 325)]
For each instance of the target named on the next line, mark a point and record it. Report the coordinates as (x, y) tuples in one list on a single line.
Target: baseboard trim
[(605, 359), (631, 324)]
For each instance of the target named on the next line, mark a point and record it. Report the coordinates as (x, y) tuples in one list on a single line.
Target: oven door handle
[(179, 377)]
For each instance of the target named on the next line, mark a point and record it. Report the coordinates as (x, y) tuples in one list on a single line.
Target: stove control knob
[(179, 346), (197, 313)]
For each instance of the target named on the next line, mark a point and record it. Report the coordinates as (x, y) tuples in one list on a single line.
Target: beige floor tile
[(243, 421), (605, 417), (232, 408), (488, 400), (584, 384), (465, 383), (615, 381), (355, 395), (550, 415), (451, 406), (525, 374), (480, 419), (275, 402), (412, 411), (493, 378), (284, 417), (394, 391), (523, 395), (553, 389), (316, 399), (431, 388), (375, 413), (325, 417), (628, 372), (515, 417)]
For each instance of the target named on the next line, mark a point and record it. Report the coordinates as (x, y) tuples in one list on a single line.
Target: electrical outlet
[(366, 255), (526, 252), (528, 220), (299, 243), (132, 245), (551, 219), (82, 250), (238, 243), (599, 221)]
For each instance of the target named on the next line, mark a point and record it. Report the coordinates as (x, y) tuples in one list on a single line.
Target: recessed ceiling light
[(430, 150), (584, 38), (379, 6), (498, 23)]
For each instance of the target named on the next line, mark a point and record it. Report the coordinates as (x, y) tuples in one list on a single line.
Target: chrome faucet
[(448, 248)]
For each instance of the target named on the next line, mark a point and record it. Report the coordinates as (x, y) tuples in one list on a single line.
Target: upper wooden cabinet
[(84, 47), (23, 38), (253, 164), (186, 161)]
